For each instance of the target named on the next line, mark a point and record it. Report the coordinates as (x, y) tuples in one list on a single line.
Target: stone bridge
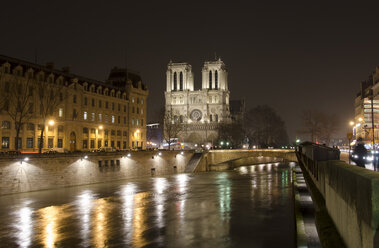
[(229, 159)]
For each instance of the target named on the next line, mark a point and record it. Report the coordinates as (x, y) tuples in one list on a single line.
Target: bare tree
[(265, 127), (318, 125), (172, 127), (18, 95), (51, 95)]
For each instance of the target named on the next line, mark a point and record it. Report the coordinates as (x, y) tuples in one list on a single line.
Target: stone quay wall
[(351, 198), (39, 172)]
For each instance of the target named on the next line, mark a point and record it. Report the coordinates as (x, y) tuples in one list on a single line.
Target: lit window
[(92, 116), (137, 122), (99, 117), (85, 116), (132, 122), (112, 118), (106, 118), (141, 111), (141, 101), (60, 112), (133, 99)]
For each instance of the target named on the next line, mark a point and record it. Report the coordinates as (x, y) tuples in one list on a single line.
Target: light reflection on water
[(181, 210)]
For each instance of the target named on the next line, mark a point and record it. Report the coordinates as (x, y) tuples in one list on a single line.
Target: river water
[(251, 206)]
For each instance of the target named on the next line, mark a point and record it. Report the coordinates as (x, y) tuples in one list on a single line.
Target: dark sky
[(289, 55)]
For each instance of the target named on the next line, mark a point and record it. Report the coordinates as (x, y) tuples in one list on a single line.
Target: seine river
[(251, 206)]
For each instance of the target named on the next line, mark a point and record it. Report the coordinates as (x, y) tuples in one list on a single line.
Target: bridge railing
[(348, 194)]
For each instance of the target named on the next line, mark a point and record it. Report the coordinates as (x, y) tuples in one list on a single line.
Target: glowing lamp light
[(26, 159), (360, 119), (160, 154), (100, 127), (181, 153), (129, 155), (85, 157), (51, 122), (351, 123)]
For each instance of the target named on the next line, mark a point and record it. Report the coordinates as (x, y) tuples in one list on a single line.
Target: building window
[(181, 117), (92, 144), (124, 108), (85, 100), (132, 122), (29, 142), (210, 118), (216, 80), (106, 105), (85, 130), (133, 110), (142, 101), (137, 122), (60, 112), (137, 110), (74, 99), (30, 109), (118, 145), (132, 99), (112, 143), (119, 107), (119, 119), (141, 111), (40, 126), (6, 125), (85, 115), (50, 143), (106, 118), (175, 81), (113, 132), (133, 144), (50, 128), (60, 128), (210, 80), (85, 144), (60, 143), (5, 142), (118, 133), (100, 103), (106, 132), (216, 118), (92, 116), (93, 130), (124, 119), (98, 143), (18, 144), (124, 133), (124, 145), (181, 81), (106, 143), (93, 102), (112, 118), (112, 105), (100, 117), (30, 126)]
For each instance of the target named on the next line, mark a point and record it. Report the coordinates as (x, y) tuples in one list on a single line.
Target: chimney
[(66, 69)]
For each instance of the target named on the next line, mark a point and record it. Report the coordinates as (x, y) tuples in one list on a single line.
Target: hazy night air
[(289, 56)]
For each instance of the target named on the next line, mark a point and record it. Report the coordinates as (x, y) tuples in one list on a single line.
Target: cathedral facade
[(198, 111)]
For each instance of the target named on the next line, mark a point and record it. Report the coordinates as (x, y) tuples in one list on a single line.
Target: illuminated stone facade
[(199, 111), (93, 114)]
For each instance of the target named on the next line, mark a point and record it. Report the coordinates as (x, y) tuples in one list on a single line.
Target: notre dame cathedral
[(199, 111)]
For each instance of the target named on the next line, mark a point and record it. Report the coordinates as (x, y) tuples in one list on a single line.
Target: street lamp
[(51, 122), (100, 127), (352, 123)]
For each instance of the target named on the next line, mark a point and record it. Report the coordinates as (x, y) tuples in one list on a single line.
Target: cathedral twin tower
[(200, 111)]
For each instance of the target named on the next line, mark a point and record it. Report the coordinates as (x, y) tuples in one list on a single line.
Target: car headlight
[(355, 156)]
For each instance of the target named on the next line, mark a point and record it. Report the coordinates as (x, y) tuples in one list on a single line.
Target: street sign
[(349, 135)]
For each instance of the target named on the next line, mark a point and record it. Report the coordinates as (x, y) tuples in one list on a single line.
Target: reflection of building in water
[(127, 196), (100, 225), (139, 219), (224, 196), (85, 204), (50, 221), (24, 226)]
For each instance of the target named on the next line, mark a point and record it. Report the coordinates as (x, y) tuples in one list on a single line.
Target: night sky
[(289, 56)]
